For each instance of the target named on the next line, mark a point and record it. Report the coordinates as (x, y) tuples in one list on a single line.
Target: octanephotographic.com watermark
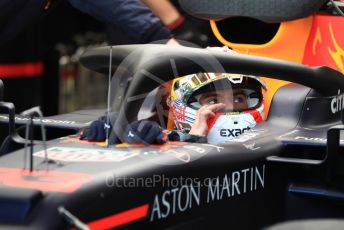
[(156, 180), (248, 178)]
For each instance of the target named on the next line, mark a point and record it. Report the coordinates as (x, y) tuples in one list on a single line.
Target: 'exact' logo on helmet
[(337, 103), (233, 132)]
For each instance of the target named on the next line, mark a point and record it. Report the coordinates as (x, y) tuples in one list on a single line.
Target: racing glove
[(97, 130), (144, 132), (177, 135)]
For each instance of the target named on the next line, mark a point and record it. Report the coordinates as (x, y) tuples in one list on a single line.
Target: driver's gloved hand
[(144, 132), (97, 130)]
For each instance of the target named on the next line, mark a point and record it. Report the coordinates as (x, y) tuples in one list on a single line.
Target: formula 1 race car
[(289, 167)]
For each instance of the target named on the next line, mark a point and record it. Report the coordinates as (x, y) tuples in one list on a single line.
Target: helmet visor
[(237, 97)]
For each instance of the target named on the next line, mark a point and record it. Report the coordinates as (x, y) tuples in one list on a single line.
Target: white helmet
[(242, 95)]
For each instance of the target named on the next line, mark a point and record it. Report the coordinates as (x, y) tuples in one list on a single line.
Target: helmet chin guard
[(225, 127)]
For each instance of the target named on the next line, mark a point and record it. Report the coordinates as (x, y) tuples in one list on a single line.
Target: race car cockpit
[(156, 67)]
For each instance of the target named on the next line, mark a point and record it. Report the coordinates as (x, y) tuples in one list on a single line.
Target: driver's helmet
[(242, 94)]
